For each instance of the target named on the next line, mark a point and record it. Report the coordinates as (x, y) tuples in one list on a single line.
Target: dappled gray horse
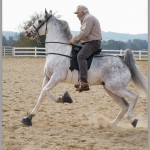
[(113, 72)]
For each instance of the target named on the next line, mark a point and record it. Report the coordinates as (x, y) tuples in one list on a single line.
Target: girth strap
[(59, 54), (57, 42)]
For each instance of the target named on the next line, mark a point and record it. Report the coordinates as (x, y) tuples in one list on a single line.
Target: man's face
[(80, 14)]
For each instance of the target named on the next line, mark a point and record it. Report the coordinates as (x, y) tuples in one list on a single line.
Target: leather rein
[(39, 42), (58, 53), (38, 39)]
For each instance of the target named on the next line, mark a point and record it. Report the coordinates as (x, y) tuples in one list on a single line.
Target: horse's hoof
[(67, 98), (27, 121), (134, 123)]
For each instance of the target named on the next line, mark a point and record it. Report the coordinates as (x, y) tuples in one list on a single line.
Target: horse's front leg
[(55, 78)]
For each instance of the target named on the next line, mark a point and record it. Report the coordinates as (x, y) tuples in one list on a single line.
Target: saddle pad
[(73, 60)]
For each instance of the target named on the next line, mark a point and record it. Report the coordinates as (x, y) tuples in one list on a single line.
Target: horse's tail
[(136, 75)]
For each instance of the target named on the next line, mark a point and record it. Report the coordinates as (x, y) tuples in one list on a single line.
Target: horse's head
[(39, 27), (56, 29)]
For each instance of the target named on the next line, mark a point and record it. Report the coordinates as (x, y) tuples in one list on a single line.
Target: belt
[(91, 41), (95, 41)]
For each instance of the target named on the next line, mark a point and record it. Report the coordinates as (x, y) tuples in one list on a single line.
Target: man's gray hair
[(81, 8), (86, 11)]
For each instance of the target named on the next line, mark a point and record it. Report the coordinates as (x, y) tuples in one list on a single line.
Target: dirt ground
[(64, 126)]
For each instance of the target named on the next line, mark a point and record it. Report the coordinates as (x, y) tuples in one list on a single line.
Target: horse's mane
[(65, 27)]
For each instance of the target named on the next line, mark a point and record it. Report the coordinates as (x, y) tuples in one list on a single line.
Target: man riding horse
[(90, 36), (115, 73)]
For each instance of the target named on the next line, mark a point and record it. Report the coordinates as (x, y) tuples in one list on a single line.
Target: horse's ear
[(46, 13), (50, 12)]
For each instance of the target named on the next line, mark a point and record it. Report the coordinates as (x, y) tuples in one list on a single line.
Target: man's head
[(81, 10)]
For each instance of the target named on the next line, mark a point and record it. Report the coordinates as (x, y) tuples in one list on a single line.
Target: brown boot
[(77, 85), (83, 87)]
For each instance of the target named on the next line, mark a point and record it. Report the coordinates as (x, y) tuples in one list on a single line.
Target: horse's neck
[(55, 36)]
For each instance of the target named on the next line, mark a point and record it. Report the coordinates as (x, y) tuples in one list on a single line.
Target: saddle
[(73, 60)]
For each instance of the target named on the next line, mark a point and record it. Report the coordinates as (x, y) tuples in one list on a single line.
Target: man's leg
[(87, 50)]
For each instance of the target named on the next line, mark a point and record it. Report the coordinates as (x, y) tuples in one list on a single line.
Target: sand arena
[(64, 126)]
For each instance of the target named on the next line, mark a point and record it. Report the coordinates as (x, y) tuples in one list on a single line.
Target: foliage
[(135, 44), (5, 41), (10, 42), (22, 41)]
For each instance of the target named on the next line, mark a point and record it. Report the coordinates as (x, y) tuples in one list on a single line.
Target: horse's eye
[(39, 21)]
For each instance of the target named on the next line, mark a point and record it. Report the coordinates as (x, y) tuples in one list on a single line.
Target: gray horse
[(114, 73)]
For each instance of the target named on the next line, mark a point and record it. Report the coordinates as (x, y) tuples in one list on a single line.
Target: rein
[(58, 53), (39, 42), (77, 45), (57, 42)]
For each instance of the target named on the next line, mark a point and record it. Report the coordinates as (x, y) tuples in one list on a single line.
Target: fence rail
[(28, 51), (40, 52), (7, 51)]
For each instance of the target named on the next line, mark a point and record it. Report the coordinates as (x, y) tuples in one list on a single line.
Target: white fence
[(37, 52), (28, 51), (7, 51)]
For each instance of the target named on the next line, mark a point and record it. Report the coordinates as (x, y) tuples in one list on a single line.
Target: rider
[(90, 36)]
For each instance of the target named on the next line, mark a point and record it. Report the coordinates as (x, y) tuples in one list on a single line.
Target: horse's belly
[(72, 77)]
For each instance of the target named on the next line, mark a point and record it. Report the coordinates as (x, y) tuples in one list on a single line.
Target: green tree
[(4, 41), (136, 44), (23, 41), (121, 45), (139, 44), (11, 41)]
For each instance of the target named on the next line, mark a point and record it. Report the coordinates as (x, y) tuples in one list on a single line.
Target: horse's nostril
[(27, 33)]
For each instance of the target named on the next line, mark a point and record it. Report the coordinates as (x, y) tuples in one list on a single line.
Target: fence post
[(35, 52), (139, 54), (4, 51), (14, 53)]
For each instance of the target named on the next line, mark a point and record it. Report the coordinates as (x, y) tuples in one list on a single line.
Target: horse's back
[(110, 69), (108, 61)]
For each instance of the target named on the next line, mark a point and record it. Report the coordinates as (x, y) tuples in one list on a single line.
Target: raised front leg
[(49, 84)]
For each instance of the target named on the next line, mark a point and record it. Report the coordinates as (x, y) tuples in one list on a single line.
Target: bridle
[(37, 37)]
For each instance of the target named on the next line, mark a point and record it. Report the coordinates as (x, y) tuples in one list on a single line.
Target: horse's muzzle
[(27, 34)]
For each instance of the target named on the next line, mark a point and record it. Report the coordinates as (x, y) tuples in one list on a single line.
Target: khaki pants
[(88, 49)]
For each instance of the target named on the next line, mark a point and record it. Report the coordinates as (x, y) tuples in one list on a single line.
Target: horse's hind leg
[(122, 103), (125, 93)]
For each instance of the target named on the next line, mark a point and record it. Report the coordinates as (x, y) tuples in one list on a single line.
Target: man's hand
[(72, 41)]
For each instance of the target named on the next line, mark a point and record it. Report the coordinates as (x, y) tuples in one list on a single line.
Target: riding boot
[(82, 87), (77, 85)]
